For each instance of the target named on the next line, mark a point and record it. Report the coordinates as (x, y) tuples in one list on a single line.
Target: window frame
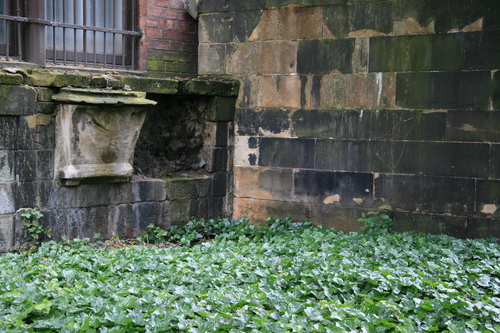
[(31, 36)]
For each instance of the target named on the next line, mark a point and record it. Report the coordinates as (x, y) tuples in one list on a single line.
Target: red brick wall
[(169, 45)]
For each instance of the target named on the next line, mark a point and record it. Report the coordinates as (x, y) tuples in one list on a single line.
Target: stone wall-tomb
[(69, 152)]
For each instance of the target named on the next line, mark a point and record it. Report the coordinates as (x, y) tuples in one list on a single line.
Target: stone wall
[(348, 106), (196, 182), (170, 39)]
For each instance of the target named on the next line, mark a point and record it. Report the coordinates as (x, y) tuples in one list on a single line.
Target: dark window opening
[(12, 25), (81, 33)]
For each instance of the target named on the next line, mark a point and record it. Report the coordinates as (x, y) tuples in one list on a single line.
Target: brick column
[(170, 42)]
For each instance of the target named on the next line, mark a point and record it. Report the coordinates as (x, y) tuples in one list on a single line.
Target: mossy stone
[(6, 78), (45, 94), (151, 85), (48, 78), (388, 54), (436, 52), (153, 64), (221, 109), (100, 96), (178, 188)]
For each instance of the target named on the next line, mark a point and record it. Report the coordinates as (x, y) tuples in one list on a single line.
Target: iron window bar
[(81, 27), (122, 57), (10, 49)]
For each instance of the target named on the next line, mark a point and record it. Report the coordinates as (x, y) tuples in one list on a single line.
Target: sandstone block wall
[(348, 106)]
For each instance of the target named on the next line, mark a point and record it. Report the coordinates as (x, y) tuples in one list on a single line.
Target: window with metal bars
[(81, 33)]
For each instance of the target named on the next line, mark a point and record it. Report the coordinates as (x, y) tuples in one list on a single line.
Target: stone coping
[(210, 86)]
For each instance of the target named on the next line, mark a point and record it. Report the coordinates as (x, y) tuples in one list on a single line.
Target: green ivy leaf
[(44, 306)]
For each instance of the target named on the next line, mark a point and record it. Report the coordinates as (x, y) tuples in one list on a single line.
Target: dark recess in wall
[(172, 136)]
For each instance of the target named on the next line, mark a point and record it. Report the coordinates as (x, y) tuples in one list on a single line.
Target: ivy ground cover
[(304, 280)]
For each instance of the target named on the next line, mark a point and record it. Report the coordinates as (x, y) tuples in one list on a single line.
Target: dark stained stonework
[(341, 188), (26, 194), (403, 93), (425, 53), (455, 159), (23, 105), (219, 27), (258, 122), (444, 90), (496, 91), (9, 129), (220, 109), (338, 217), (321, 56), (482, 50), (447, 14), (286, 153), (495, 161), (455, 226), (434, 195), (342, 124), (218, 160), (441, 52), (389, 54), (44, 165), (409, 125), (26, 165), (488, 198), (368, 124), (216, 6), (475, 126), (343, 19), (221, 135), (171, 138), (480, 227)]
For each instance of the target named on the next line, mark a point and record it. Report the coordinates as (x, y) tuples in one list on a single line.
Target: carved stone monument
[(96, 133)]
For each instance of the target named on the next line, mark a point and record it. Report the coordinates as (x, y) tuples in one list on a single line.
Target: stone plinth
[(96, 134)]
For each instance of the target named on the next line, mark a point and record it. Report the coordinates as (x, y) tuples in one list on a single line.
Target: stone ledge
[(211, 86), (8, 78), (102, 96)]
